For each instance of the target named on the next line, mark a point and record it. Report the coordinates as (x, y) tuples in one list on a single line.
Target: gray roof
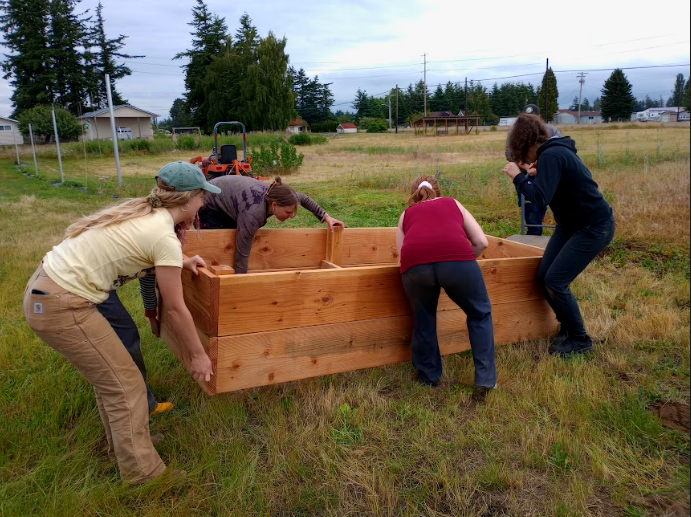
[(103, 111), (8, 118)]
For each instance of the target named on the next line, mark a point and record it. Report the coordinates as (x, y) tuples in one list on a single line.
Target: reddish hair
[(527, 131), (419, 194)]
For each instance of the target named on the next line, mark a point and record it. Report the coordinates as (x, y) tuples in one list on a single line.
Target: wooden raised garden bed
[(316, 303)]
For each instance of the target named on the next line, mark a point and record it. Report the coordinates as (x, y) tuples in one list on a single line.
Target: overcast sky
[(375, 44)]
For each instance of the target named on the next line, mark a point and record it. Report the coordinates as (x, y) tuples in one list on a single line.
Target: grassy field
[(586, 436)]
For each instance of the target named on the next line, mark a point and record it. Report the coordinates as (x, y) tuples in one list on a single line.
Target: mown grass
[(570, 437)]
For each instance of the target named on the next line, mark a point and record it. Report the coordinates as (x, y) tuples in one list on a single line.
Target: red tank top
[(434, 233)]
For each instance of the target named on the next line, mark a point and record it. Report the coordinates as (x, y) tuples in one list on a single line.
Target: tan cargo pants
[(72, 326)]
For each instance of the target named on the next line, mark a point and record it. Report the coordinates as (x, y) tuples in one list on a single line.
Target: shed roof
[(297, 122), (103, 111), (348, 125)]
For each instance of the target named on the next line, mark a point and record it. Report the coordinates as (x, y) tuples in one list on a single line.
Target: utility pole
[(424, 82), (112, 129), (389, 110), (581, 79), (397, 109), (465, 113)]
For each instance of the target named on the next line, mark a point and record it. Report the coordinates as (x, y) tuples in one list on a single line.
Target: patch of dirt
[(674, 415), (665, 507)]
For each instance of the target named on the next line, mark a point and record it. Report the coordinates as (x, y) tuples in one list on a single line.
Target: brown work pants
[(72, 326)]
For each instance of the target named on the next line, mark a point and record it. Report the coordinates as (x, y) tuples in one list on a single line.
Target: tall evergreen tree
[(548, 96), (102, 58), (686, 100), (597, 104), (210, 39), (26, 24), (67, 36), (677, 92), (617, 99)]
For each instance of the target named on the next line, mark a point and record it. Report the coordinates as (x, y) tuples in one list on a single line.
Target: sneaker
[(162, 407), (157, 439), (559, 338), (572, 345)]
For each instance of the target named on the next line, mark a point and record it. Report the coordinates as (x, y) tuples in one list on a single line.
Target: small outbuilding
[(296, 126), (131, 123), (346, 127), (9, 132), (571, 117)]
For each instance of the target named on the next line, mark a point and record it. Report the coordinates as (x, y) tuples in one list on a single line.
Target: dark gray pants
[(114, 311), (567, 254), (463, 283)]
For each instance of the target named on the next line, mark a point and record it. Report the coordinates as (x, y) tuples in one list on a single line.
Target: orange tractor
[(227, 161)]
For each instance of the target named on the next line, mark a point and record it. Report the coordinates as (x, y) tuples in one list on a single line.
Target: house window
[(5, 128)]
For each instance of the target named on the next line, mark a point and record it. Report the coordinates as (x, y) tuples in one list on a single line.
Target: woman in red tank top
[(438, 241)]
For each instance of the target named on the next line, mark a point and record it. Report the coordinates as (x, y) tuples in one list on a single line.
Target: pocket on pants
[(42, 312)]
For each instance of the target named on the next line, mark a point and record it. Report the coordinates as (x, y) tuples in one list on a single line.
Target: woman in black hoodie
[(585, 225)]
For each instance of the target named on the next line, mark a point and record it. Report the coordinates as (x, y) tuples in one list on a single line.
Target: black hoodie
[(566, 185)]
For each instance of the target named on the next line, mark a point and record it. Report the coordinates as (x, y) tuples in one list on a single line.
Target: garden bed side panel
[(278, 327)]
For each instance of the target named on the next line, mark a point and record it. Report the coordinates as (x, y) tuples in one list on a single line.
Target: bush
[(378, 126), (300, 139), (41, 120), (275, 158)]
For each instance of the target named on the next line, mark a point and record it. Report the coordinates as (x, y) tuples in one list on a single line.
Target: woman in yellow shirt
[(100, 253)]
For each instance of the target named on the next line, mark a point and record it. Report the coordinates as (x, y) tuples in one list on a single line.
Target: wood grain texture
[(284, 300), (279, 356), (271, 249)]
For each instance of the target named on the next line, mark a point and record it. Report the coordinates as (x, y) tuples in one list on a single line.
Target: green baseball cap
[(183, 176)]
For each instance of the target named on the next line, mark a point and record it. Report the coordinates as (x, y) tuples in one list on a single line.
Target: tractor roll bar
[(244, 139)]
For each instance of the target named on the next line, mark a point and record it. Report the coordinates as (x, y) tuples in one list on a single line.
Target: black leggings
[(210, 219)]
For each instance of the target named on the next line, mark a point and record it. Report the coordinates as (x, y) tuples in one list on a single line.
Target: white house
[(297, 125), (659, 114), (346, 127), (571, 117), (9, 132), (507, 121), (130, 123)]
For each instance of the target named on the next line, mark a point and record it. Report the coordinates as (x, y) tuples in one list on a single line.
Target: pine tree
[(210, 39), (101, 58), (597, 104), (617, 99), (548, 96), (25, 24), (574, 104), (67, 35), (686, 100), (678, 91), (585, 105)]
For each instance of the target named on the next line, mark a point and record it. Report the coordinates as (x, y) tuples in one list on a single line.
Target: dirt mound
[(673, 414)]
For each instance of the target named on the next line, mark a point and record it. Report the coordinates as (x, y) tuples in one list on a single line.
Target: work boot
[(162, 407), (480, 394), (572, 345)]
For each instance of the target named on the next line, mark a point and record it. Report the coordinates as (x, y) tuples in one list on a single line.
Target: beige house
[(131, 123), (346, 127), (296, 126), (9, 132)]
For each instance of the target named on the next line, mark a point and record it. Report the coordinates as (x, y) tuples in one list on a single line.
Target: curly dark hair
[(527, 131)]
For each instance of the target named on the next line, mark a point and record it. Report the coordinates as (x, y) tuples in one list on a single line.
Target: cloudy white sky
[(375, 44)]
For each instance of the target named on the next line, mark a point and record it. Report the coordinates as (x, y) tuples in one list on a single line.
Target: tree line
[(58, 55), (508, 99)]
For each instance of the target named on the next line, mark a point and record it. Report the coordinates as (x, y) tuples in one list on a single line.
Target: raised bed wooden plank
[(501, 248), (271, 249), (202, 299), (274, 301), (278, 356), (369, 246)]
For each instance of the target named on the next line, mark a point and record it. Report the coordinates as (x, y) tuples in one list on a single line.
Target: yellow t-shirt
[(102, 259)]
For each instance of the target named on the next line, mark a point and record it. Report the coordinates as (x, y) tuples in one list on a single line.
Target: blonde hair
[(281, 194), (131, 208), (419, 194)]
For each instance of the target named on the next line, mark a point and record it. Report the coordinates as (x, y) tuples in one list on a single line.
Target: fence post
[(33, 149), (57, 144)]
